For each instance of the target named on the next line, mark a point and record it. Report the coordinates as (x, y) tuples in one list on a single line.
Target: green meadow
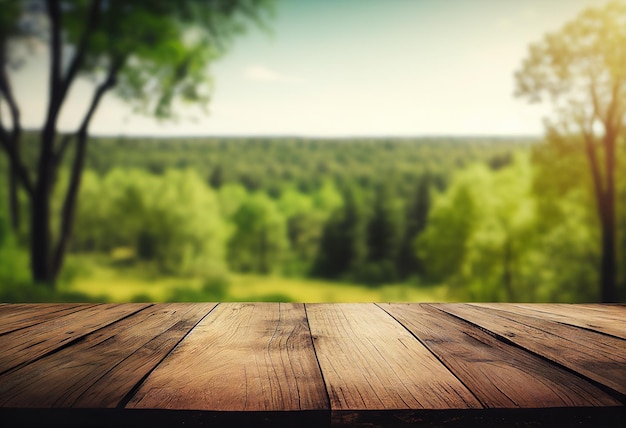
[(102, 283)]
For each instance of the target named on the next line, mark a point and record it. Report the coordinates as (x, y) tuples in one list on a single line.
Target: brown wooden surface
[(15, 317), (370, 362), (271, 364), (596, 356), (243, 357), (588, 317), (30, 343), (100, 370), (500, 375)]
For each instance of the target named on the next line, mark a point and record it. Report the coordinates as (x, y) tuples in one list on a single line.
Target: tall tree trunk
[(608, 287), (40, 216), (608, 274), (69, 208), (14, 207), (46, 166), (604, 191)]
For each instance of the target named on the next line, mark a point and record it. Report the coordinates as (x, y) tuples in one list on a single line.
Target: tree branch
[(597, 114), (56, 53), (590, 149), (7, 93), (613, 107), (611, 129), (16, 161), (81, 49), (11, 143), (58, 156), (69, 205), (8, 141)]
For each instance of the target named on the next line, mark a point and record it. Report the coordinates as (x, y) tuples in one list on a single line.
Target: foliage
[(581, 69), (307, 182), (343, 246), (516, 226), (259, 243), (153, 54), (171, 220), (491, 237)]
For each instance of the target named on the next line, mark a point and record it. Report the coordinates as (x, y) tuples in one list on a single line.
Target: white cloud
[(261, 73)]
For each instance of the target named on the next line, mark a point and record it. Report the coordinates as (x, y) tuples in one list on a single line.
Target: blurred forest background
[(318, 220), (533, 219)]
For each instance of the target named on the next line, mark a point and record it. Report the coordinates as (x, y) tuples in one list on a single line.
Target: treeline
[(270, 164), (342, 210), (498, 219)]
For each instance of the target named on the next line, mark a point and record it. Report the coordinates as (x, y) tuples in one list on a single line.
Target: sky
[(351, 68)]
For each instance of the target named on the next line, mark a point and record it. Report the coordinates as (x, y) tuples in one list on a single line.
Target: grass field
[(105, 283)]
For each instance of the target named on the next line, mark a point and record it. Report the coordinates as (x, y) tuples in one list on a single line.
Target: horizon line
[(305, 136)]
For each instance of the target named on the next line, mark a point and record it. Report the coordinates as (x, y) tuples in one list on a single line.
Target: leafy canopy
[(162, 47), (581, 69)]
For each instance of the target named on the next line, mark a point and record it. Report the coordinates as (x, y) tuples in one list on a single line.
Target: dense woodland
[(492, 219)]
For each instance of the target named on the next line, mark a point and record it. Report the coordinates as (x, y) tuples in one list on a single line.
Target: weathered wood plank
[(242, 357), (604, 306), (8, 309), (101, 369), (599, 357), (370, 362), (500, 375), (28, 344), (15, 318), (618, 310), (261, 356), (580, 316)]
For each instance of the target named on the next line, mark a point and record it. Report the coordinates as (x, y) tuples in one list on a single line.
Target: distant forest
[(492, 218)]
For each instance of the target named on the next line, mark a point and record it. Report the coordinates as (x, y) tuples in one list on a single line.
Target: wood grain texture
[(371, 362), (21, 316), (242, 357), (597, 356), (576, 315), (100, 370), (500, 375), (616, 308), (257, 364), (28, 344)]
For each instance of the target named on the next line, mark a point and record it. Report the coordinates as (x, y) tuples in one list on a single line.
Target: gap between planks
[(352, 359)]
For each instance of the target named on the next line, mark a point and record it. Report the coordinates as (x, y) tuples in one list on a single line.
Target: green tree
[(480, 232), (259, 242), (231, 197), (172, 220), (304, 229), (567, 219), (343, 245), (499, 250), (582, 68), (418, 207), (442, 246), (153, 53), (504, 236), (385, 230)]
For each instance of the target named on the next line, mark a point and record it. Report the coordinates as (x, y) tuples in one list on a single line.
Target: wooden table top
[(290, 364)]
